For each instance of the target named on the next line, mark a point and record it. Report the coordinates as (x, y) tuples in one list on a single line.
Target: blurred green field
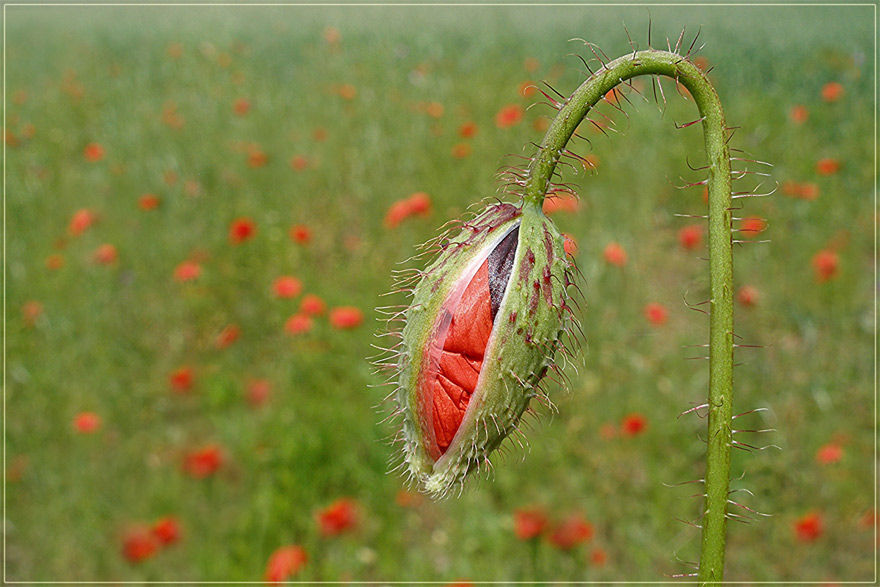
[(335, 131)]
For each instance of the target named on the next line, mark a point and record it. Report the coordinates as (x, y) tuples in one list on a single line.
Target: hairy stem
[(541, 169)]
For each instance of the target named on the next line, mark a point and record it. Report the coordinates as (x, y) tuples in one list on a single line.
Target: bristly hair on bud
[(484, 323)]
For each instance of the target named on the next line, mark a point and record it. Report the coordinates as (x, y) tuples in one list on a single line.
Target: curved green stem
[(540, 172)]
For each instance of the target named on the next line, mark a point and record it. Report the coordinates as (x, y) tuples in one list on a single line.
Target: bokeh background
[(203, 206)]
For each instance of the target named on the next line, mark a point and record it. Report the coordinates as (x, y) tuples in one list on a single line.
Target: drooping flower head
[(484, 324)]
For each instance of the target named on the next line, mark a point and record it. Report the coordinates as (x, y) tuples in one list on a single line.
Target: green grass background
[(108, 337)]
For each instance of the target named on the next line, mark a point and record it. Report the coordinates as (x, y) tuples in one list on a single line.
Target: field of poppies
[(204, 206)]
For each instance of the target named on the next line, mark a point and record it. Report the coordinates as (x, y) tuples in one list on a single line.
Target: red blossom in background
[(614, 254), (241, 106), (346, 318), (829, 454), (148, 202), (340, 516), (167, 530), (633, 424), (138, 544), (284, 563), (93, 152), (656, 314), (87, 422), (81, 221), (30, 311), (105, 254), (752, 226), (468, 130), (529, 523), (570, 245), (461, 150), (799, 114), (299, 162), (561, 202), (508, 116), (690, 237), (203, 462), (599, 557), (257, 157), (571, 532), (298, 324), (312, 305), (808, 527), (301, 234), (827, 166), (241, 229), (227, 336), (258, 391), (832, 92), (287, 287), (187, 271), (825, 265), (417, 204), (747, 296), (181, 379), (54, 262)]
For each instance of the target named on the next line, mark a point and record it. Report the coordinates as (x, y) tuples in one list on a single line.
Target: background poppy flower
[(81, 221), (148, 202), (241, 229), (571, 532), (286, 287), (181, 379), (187, 271), (346, 318), (690, 237), (529, 523), (832, 91), (285, 563), (138, 545), (509, 116), (167, 530), (301, 234), (340, 516), (312, 305), (298, 324), (825, 265), (93, 152), (87, 422), (203, 462), (614, 254), (656, 313), (633, 424), (808, 527)]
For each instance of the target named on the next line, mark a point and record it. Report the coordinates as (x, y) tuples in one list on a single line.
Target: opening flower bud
[(481, 332)]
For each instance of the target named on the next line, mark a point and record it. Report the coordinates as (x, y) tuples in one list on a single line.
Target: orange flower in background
[(417, 204), (301, 234), (257, 158), (299, 162), (527, 89), (30, 311), (93, 152), (829, 454), (181, 379), (148, 202), (340, 516), (690, 237), (105, 254), (509, 116), (827, 166), (332, 35), (241, 229), (747, 296), (312, 305), (614, 254), (574, 530), (799, 114), (832, 92), (175, 50), (54, 262), (241, 106), (319, 134), (529, 523), (752, 226), (287, 287), (258, 391), (468, 130), (599, 557), (167, 530), (825, 265), (808, 191), (561, 202), (531, 64), (570, 245), (298, 324), (138, 545), (187, 271), (434, 109), (87, 423), (81, 221), (656, 314), (227, 336), (808, 527), (284, 563), (461, 150), (347, 91), (346, 318), (633, 424), (204, 462)]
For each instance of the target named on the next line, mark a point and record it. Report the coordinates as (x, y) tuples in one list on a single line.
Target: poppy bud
[(481, 332)]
